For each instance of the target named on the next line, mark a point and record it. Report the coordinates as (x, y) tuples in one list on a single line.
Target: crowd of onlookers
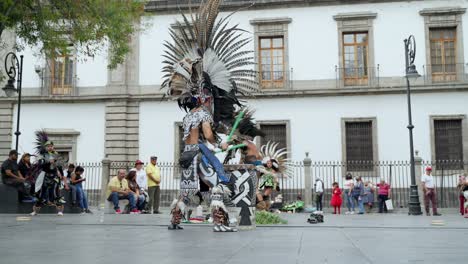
[(356, 193), (139, 186), (19, 174)]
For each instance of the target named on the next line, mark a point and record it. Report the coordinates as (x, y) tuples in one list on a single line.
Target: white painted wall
[(151, 47), (89, 71), (92, 72), (313, 41), (157, 129), (31, 58), (87, 118), (313, 37), (316, 123)]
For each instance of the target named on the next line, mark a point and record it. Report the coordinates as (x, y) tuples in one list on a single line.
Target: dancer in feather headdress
[(205, 69), (49, 175), (275, 165)]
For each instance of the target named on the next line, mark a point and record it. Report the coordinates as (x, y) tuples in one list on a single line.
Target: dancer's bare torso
[(202, 129)]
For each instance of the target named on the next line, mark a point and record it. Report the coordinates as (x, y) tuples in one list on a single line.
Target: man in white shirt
[(428, 185), (319, 193)]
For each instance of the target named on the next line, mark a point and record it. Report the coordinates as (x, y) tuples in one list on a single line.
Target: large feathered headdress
[(278, 157), (207, 59), (42, 139)]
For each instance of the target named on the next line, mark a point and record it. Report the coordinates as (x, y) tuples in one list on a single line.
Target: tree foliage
[(53, 25)]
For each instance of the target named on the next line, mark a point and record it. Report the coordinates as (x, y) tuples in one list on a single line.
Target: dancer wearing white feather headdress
[(206, 68), (275, 165)]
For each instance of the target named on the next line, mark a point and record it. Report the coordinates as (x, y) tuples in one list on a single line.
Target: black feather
[(248, 127)]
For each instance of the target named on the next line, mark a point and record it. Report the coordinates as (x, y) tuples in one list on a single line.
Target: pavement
[(108, 238)]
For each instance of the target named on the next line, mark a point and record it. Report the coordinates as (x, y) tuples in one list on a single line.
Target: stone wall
[(6, 123), (122, 124)]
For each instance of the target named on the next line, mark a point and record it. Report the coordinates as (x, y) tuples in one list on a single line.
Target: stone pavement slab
[(448, 220), (391, 238)]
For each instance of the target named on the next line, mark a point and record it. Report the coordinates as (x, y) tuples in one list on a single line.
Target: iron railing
[(357, 76), (445, 73), (60, 87), (292, 187), (275, 79)]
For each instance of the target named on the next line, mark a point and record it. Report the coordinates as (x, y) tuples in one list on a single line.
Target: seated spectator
[(133, 185), (12, 176), (70, 170), (77, 180), (118, 189), (25, 168), (142, 180), (24, 165)]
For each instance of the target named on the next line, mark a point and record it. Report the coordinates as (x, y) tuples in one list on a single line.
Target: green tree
[(88, 24)]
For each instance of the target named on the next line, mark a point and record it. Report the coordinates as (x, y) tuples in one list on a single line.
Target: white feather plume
[(216, 69)]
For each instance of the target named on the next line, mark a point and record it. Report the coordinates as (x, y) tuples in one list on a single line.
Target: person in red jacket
[(336, 198)]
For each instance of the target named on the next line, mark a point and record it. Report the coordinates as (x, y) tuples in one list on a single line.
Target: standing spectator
[(384, 194), (133, 186), (154, 180), (70, 170), (460, 187), (336, 198), (358, 194), (117, 189), (347, 189), (319, 186), (368, 198), (12, 176), (77, 180), (428, 185)]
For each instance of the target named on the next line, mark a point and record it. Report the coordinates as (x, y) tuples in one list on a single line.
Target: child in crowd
[(336, 198), (368, 198)]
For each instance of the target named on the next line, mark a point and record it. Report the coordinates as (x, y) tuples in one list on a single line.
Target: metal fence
[(396, 173)]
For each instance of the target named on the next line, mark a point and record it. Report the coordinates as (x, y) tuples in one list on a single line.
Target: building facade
[(331, 73)]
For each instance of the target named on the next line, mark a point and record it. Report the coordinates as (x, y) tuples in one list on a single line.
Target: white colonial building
[(332, 74)]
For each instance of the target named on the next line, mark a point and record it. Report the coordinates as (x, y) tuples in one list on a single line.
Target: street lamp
[(411, 73), (14, 67)]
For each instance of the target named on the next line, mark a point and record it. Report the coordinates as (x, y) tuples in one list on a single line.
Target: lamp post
[(14, 68), (411, 73)]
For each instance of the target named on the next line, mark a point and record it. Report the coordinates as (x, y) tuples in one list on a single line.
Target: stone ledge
[(284, 93), (276, 20), (355, 16), (442, 11), (60, 132)]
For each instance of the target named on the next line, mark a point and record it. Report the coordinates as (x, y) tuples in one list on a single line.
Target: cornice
[(355, 16), (269, 94), (442, 11), (173, 6), (274, 20)]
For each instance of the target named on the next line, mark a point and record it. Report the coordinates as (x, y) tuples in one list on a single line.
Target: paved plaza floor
[(374, 238)]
